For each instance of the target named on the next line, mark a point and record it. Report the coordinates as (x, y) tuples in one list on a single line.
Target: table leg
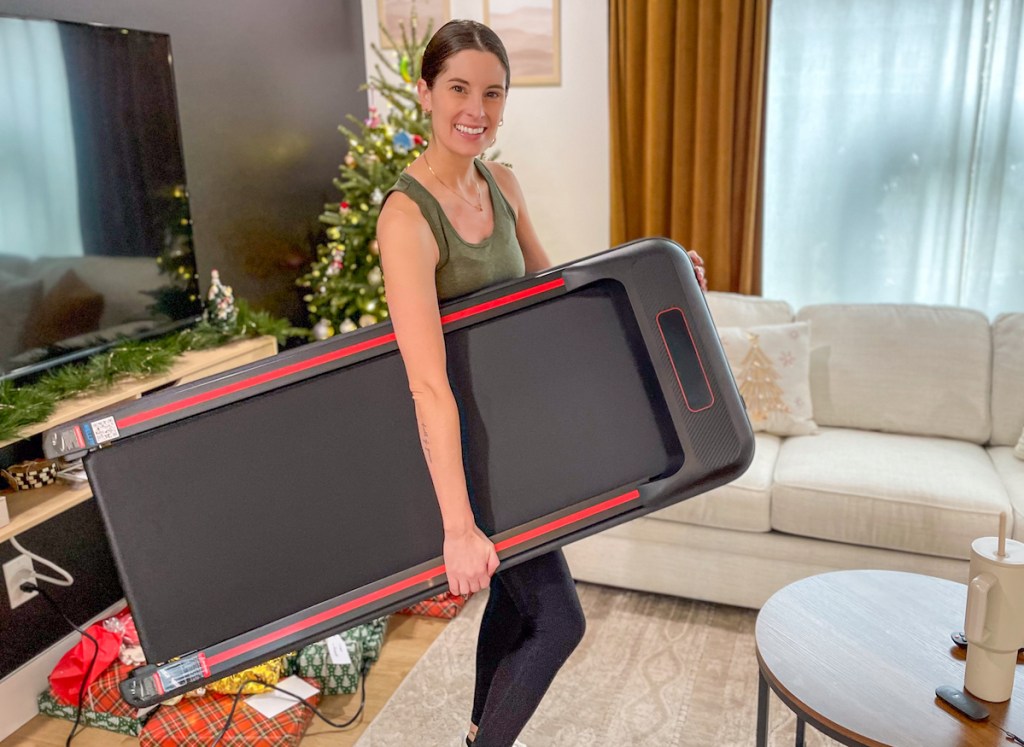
[(799, 731), (762, 710)]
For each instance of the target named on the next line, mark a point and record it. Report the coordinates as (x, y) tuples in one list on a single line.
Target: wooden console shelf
[(28, 508)]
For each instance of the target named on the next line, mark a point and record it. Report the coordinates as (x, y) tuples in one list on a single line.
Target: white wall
[(555, 137)]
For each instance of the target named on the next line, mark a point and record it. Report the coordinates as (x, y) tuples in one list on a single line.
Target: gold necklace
[(480, 200)]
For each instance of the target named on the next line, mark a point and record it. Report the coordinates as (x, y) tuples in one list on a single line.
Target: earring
[(501, 122)]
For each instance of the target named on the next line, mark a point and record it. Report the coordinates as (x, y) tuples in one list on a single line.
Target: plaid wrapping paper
[(196, 722), (445, 606), (314, 663), (102, 705)]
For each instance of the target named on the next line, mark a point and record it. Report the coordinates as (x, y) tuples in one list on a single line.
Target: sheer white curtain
[(38, 176), (894, 153)]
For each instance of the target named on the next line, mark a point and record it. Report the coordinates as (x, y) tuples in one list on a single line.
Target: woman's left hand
[(698, 268)]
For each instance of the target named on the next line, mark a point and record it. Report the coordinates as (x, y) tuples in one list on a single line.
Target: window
[(894, 153)]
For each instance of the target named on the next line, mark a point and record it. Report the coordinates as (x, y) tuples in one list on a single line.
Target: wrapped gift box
[(314, 663), (196, 722), (370, 636), (102, 705), (444, 606)]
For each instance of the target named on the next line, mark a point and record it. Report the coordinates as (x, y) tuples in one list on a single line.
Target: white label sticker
[(337, 650), (104, 430)]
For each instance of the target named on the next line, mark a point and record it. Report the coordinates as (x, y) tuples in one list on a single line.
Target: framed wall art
[(531, 32)]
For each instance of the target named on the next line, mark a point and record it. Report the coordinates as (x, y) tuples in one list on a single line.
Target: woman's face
[(466, 102)]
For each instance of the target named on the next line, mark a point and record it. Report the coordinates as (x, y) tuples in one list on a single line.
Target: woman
[(451, 225)]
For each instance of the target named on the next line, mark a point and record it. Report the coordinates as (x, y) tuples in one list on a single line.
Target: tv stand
[(28, 508), (31, 508)]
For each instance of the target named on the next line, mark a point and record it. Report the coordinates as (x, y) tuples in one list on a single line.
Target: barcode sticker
[(104, 430)]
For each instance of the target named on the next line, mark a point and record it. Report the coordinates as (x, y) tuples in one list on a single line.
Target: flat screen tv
[(95, 231)]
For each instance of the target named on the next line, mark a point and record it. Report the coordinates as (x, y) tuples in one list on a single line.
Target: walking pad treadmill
[(256, 511)]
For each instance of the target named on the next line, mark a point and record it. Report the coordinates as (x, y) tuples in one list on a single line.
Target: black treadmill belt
[(261, 509), (239, 501)]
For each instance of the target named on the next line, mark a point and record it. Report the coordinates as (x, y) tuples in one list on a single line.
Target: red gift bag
[(444, 606), (68, 676)]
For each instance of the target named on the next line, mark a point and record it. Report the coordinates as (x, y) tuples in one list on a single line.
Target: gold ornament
[(374, 247)]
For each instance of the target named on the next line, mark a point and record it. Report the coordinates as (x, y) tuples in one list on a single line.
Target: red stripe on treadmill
[(323, 616), (566, 520), (503, 301), (412, 581), (141, 417)]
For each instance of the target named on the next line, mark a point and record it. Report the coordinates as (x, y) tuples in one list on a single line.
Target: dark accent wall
[(262, 86), (75, 541)]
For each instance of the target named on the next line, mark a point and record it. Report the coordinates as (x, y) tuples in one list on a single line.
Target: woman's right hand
[(470, 560)]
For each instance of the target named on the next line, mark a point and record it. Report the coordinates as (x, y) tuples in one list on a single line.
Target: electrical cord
[(362, 703), (30, 587), (66, 581)]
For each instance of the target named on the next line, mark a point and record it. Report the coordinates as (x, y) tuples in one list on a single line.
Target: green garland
[(22, 406)]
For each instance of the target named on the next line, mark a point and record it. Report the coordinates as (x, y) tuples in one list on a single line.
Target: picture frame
[(531, 32), (391, 12)]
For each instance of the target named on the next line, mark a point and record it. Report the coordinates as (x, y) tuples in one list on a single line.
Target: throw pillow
[(71, 308), (771, 364), (1019, 449), (19, 298)]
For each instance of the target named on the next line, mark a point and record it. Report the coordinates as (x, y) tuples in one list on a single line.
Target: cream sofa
[(919, 409)]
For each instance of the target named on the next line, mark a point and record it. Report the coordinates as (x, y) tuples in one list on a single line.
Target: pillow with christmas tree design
[(772, 365)]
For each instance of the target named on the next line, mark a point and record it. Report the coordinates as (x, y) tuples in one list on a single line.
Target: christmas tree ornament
[(374, 247), (220, 311), (376, 197), (405, 68), (350, 161), (367, 319), (348, 326), (334, 233), (322, 330), (374, 276)]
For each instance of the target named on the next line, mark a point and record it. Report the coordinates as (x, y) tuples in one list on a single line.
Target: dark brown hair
[(456, 36)]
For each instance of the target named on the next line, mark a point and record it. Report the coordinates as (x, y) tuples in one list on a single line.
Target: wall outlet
[(16, 572)]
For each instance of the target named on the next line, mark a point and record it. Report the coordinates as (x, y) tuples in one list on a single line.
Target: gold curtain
[(687, 103)]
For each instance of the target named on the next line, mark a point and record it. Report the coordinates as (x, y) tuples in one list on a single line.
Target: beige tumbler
[(994, 624)]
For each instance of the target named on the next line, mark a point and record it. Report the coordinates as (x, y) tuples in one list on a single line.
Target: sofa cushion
[(1007, 379), (19, 298), (901, 368), (771, 364), (737, 310), (1011, 472), (924, 495), (744, 504)]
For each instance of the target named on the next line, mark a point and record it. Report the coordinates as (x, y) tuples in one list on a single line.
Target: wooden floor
[(406, 641)]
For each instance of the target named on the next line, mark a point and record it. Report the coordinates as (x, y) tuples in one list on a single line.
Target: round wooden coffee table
[(858, 655)]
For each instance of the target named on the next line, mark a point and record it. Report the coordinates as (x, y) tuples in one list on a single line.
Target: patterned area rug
[(651, 670)]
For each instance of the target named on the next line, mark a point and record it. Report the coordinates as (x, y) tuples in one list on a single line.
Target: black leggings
[(532, 622)]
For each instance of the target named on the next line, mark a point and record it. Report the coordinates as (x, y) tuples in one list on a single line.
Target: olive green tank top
[(464, 267)]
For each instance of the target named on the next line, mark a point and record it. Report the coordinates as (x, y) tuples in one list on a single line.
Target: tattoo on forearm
[(426, 442)]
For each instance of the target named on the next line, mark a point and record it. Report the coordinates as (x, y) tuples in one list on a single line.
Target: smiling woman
[(451, 225)]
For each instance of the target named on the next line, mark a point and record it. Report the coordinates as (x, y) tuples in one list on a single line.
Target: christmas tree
[(177, 299), (344, 282), (759, 383)]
